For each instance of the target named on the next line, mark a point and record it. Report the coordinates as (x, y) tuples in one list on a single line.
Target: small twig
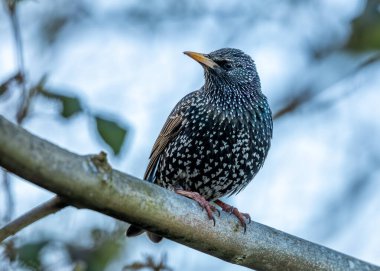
[(11, 6), (25, 104), (308, 95), (9, 202), (12, 11), (14, 78), (49, 207), (294, 104)]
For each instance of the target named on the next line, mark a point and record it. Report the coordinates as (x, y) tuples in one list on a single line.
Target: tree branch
[(9, 202), (308, 94), (82, 182), (49, 207)]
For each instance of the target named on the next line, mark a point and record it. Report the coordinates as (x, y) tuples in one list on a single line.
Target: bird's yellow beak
[(202, 59)]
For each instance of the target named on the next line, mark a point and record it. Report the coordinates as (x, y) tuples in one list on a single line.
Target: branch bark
[(83, 182)]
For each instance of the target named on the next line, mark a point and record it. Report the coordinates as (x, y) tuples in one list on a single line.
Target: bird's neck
[(230, 95)]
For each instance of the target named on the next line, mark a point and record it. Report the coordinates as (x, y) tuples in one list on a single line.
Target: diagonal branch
[(307, 95), (81, 182), (49, 207)]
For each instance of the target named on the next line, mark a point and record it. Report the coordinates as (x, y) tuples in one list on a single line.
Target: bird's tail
[(135, 231)]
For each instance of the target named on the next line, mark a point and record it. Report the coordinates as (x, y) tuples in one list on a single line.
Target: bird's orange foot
[(202, 202), (232, 210)]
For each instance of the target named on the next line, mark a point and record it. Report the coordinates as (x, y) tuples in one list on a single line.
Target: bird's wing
[(171, 128)]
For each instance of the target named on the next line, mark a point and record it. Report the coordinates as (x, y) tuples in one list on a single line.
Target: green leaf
[(104, 254), (106, 247), (111, 132), (71, 105), (365, 34), (29, 254)]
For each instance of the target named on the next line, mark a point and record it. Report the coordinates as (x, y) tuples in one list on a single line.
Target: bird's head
[(227, 66)]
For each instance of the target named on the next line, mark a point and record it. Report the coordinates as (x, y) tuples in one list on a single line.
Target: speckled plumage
[(217, 138)]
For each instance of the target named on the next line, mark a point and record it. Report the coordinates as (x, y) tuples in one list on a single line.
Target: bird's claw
[(248, 217), (201, 201), (232, 210)]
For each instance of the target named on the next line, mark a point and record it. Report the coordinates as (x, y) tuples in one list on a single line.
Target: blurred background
[(104, 75)]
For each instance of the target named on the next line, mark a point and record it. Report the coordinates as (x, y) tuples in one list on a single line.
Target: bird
[(216, 138)]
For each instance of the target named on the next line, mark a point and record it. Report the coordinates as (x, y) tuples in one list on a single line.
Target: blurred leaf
[(104, 254), (29, 254), (80, 266), (111, 132), (58, 18), (107, 246), (10, 251), (54, 27), (149, 263), (366, 29), (71, 105)]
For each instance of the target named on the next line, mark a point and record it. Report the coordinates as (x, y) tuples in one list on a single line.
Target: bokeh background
[(104, 75)]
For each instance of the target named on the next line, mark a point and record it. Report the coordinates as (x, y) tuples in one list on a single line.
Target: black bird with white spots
[(216, 138)]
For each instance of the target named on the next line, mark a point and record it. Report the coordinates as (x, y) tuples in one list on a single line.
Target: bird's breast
[(217, 152)]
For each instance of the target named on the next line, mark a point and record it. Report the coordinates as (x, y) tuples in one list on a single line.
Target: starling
[(216, 138)]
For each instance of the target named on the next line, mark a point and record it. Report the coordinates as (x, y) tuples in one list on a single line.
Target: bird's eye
[(227, 65)]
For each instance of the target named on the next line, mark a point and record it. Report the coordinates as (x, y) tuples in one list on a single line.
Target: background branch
[(308, 95), (9, 201), (82, 182), (49, 207), (11, 6)]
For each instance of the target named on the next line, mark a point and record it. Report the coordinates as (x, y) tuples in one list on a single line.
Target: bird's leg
[(232, 210), (201, 200)]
